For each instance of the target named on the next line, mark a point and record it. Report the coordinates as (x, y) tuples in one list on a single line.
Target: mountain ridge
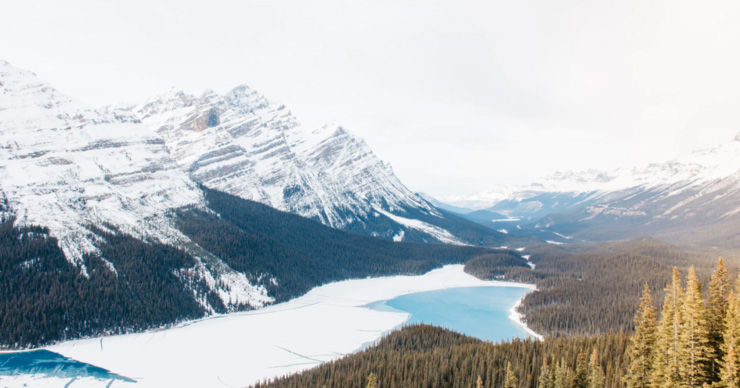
[(242, 133), (693, 198), (243, 144)]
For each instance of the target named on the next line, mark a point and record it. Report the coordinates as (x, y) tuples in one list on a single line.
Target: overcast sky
[(457, 95)]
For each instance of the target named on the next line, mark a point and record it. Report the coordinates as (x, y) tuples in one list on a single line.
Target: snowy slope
[(68, 167), (247, 146), (692, 170), (65, 166)]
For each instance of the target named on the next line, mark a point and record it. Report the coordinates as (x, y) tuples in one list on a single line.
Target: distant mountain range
[(692, 199)]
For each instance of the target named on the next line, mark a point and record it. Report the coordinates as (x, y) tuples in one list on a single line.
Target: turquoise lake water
[(481, 312), (51, 364)]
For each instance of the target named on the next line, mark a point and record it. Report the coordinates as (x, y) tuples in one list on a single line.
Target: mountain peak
[(15, 79), (6, 67), (243, 88), (258, 150), (102, 166), (172, 99), (29, 103)]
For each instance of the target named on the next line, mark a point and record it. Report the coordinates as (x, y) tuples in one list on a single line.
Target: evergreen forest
[(692, 341), (130, 285)]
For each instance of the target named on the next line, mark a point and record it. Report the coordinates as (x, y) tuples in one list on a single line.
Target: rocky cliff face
[(72, 168), (247, 146)]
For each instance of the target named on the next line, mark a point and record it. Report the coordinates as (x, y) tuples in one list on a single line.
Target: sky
[(459, 96)]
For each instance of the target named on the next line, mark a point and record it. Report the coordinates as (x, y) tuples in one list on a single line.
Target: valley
[(111, 221), (215, 239), (245, 348)]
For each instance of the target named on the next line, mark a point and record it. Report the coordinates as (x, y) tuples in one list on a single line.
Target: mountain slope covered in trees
[(45, 298), (299, 253), (585, 289)]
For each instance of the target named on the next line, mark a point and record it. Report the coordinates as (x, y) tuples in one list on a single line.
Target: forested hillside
[(595, 288), (130, 285), (44, 298), (300, 253)]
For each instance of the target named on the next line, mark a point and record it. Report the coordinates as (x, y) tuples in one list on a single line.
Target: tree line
[(44, 298), (432, 357)]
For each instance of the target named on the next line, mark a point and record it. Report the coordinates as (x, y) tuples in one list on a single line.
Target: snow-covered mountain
[(70, 166), (120, 219), (66, 166), (696, 193), (245, 145), (77, 171)]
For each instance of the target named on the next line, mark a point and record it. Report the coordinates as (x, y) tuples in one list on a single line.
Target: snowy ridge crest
[(245, 145), (66, 166), (692, 170)]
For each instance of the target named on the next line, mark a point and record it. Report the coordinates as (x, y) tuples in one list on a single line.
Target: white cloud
[(457, 95)]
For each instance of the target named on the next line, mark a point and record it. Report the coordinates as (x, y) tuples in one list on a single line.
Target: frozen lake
[(237, 350)]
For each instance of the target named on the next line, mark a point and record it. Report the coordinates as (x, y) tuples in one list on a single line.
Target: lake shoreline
[(485, 311), (323, 325), (517, 317)]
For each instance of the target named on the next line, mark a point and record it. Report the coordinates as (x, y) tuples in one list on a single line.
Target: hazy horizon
[(457, 96)]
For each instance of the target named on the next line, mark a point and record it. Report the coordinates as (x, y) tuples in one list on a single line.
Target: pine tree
[(563, 376), (719, 289), (595, 374), (731, 344), (580, 379), (695, 355), (729, 373), (544, 379), (372, 381), (510, 379), (479, 382), (642, 343), (666, 371)]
